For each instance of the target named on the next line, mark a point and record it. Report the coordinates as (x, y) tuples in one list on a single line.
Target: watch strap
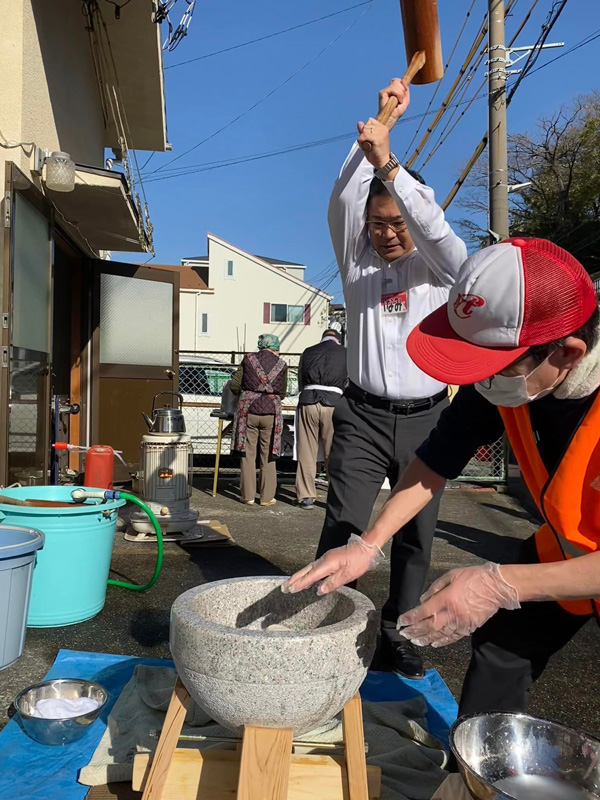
[(384, 171)]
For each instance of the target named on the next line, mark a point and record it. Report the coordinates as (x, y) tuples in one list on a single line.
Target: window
[(294, 315), (203, 324), (278, 313), (229, 270)]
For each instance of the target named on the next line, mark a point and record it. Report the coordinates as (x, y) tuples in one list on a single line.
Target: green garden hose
[(159, 548), (79, 495)]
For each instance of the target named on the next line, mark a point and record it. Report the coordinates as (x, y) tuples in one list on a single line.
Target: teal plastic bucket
[(69, 582), (18, 548)]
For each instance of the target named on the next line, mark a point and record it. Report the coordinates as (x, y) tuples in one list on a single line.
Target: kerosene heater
[(165, 469)]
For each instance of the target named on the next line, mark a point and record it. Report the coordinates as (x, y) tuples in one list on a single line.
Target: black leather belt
[(402, 407)]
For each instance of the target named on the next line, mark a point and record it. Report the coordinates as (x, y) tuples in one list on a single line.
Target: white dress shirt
[(378, 361)]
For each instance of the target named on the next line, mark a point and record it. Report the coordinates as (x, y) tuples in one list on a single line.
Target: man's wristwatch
[(387, 168)]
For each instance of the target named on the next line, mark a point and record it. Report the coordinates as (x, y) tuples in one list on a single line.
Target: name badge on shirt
[(394, 303)]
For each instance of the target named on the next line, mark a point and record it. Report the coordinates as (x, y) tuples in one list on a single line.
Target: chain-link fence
[(488, 465), (202, 376)]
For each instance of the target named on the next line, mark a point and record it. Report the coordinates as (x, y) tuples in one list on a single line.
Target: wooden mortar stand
[(265, 769)]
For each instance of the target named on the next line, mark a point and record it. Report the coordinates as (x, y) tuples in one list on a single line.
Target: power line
[(553, 15), (148, 160), (176, 171), (268, 36), (439, 83), (269, 94), (456, 86), (443, 135), (482, 144), (588, 40), (211, 165), (466, 84), (447, 130)]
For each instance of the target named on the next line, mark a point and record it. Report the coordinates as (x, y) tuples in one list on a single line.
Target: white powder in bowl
[(64, 708)]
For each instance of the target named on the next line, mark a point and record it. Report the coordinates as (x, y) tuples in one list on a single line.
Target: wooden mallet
[(423, 50)]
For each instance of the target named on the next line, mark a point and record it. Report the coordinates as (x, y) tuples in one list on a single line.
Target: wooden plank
[(354, 740), (214, 775), (265, 764), (112, 791), (167, 744)]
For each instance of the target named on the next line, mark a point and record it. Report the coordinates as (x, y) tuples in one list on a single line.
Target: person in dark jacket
[(322, 376), (261, 382)]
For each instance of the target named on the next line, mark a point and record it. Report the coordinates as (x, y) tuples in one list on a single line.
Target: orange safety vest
[(568, 500)]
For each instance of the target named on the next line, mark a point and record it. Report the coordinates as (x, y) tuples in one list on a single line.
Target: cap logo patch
[(465, 303)]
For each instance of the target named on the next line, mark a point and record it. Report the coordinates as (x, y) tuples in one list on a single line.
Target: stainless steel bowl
[(504, 756), (58, 731)]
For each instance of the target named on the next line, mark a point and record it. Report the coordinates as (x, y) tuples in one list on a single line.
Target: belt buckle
[(402, 410)]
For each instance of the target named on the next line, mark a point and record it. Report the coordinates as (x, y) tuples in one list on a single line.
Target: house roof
[(278, 262), (275, 262), (268, 265), (188, 277)]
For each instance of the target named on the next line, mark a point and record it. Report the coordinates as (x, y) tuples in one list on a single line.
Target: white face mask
[(510, 392)]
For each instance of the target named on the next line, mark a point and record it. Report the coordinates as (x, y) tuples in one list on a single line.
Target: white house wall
[(187, 319), (50, 92), (236, 309)]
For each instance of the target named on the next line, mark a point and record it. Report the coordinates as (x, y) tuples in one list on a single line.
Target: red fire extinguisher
[(99, 464)]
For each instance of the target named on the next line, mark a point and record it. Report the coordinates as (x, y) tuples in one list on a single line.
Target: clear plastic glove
[(339, 567), (458, 603)]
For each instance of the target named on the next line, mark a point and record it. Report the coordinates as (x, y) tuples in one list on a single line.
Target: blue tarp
[(40, 772), (441, 705)]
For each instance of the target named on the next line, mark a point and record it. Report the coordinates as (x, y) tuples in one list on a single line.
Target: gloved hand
[(458, 603), (340, 566)]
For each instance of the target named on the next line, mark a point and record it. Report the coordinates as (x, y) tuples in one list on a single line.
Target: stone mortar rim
[(363, 606)]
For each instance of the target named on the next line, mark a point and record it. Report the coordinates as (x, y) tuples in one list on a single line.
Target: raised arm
[(348, 204), (442, 249), (347, 210)]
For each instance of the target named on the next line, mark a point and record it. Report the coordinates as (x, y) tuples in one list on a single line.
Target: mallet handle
[(416, 63)]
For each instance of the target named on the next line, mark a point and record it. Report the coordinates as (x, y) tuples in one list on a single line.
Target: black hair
[(332, 332), (588, 333), (377, 186)]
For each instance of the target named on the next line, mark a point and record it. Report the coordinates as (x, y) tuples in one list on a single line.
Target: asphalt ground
[(474, 525)]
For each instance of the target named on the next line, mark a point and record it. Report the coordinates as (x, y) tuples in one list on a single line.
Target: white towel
[(64, 708)]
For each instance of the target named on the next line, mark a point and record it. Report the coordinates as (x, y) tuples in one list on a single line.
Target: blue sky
[(277, 206)]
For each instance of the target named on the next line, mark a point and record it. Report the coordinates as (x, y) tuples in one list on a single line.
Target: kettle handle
[(174, 394)]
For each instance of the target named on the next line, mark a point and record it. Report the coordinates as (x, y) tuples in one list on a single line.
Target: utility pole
[(497, 142)]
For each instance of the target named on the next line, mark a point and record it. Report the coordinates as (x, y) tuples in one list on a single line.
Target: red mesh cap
[(507, 297), (559, 293)]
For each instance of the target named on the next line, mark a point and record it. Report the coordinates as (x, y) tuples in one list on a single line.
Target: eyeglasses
[(487, 382), (380, 228)]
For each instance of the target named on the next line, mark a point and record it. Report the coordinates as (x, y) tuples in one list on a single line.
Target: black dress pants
[(370, 444), (512, 649)]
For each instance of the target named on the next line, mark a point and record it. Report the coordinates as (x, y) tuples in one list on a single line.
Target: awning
[(99, 213), (135, 49)]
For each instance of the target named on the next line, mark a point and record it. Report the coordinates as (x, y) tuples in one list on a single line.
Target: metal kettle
[(166, 419)]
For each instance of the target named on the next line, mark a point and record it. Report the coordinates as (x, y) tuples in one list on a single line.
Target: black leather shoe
[(405, 659)]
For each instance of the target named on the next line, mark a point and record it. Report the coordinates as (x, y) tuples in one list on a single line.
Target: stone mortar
[(242, 673)]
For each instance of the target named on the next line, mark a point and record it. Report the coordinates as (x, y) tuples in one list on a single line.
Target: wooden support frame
[(265, 769)]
